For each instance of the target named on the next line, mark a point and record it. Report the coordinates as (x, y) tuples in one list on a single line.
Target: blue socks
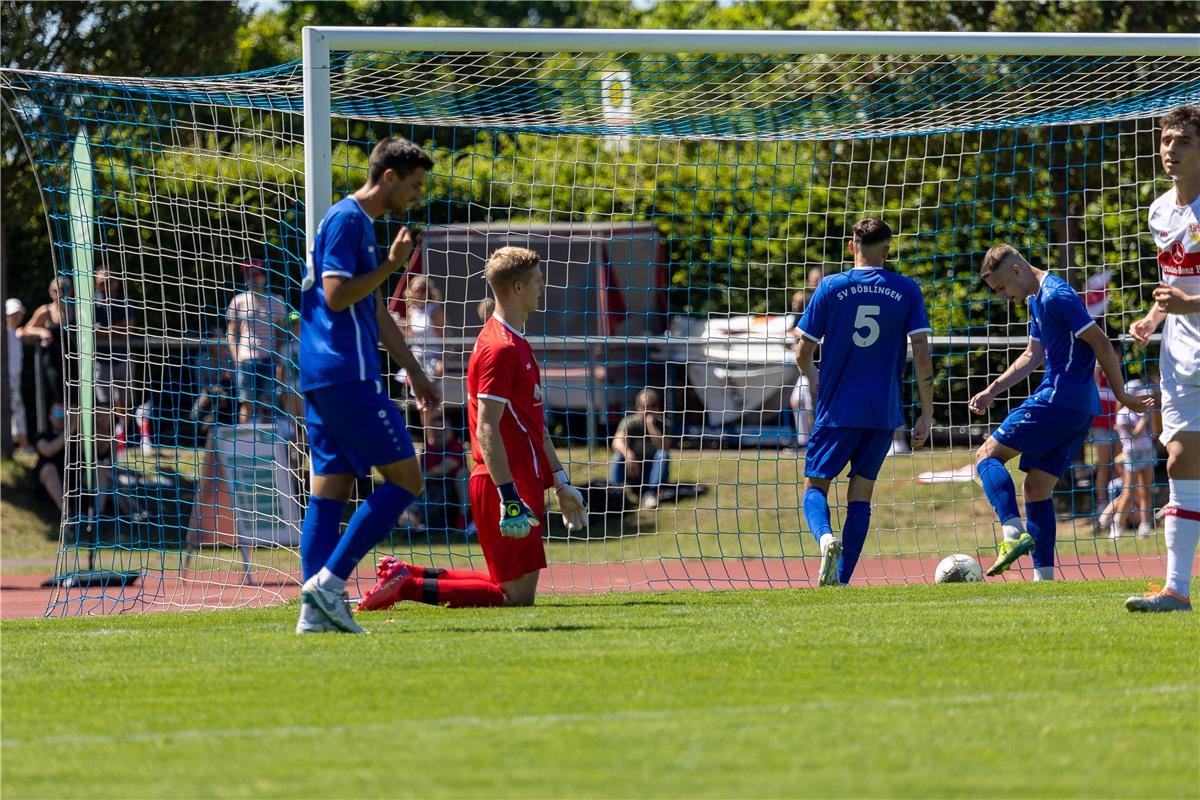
[(854, 535), (373, 520), (319, 533), (998, 486), (816, 513), (1041, 525)]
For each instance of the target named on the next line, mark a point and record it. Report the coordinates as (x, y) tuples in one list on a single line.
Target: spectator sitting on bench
[(641, 454), (51, 449)]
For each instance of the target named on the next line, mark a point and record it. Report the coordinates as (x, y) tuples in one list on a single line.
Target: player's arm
[(1173, 300), (804, 360), (570, 500), (1110, 362), (1020, 369), (1141, 330), (395, 345), (231, 327), (515, 517), (923, 366), (343, 291)]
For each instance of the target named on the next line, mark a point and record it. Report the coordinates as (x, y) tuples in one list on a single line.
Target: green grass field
[(1004, 690)]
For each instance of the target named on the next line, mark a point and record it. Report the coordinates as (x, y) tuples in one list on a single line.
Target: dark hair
[(1180, 118), (871, 231), (995, 257), (399, 155)]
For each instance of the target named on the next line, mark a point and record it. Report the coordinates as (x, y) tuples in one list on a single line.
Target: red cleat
[(386, 592)]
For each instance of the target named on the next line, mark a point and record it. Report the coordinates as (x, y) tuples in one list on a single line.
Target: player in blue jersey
[(1048, 429), (352, 423), (864, 319)]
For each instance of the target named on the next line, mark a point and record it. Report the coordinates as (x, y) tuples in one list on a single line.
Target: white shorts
[(1180, 409)]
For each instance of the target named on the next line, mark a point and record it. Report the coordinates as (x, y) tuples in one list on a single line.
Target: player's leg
[(1002, 494), (521, 591), (513, 564), (453, 588), (1143, 479), (870, 452), (1040, 520), (1181, 523), (828, 453)]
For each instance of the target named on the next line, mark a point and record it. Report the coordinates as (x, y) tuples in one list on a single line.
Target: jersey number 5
[(866, 319)]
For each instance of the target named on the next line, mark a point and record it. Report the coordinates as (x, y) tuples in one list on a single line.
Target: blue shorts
[(256, 381), (353, 427), (831, 449), (1046, 436)]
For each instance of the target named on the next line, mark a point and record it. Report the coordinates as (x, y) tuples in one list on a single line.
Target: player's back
[(863, 318)]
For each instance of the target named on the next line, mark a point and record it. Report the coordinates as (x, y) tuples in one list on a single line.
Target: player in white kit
[(1175, 225)]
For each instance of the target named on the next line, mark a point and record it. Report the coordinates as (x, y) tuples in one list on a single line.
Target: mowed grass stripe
[(888, 691)]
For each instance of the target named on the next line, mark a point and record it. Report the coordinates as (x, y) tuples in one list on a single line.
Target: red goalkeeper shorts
[(508, 558)]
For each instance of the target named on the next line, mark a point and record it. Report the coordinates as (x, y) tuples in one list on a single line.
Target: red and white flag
[(1095, 293)]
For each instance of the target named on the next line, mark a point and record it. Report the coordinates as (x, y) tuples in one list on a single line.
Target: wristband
[(561, 479), (508, 493)]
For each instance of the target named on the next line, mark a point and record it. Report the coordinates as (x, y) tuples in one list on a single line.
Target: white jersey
[(258, 320), (1176, 231)]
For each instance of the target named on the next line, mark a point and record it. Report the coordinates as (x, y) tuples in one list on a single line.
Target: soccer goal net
[(685, 191)]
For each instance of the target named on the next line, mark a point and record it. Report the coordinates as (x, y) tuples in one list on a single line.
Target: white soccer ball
[(958, 568)]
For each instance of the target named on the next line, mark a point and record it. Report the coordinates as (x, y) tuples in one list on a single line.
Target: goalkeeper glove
[(516, 519)]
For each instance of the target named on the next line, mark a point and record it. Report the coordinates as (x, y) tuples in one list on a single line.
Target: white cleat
[(1145, 530), (332, 605), (830, 554)]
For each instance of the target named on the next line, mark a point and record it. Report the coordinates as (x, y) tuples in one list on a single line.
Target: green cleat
[(1007, 552), (830, 555), (1162, 600)]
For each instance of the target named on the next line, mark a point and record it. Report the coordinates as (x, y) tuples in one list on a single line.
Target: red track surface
[(23, 595)]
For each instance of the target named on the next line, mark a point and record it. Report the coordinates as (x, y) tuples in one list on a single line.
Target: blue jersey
[(339, 346), (1057, 316), (863, 318)]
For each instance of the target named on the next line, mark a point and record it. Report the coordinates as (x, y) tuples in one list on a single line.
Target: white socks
[(825, 540), (1013, 528), (1182, 533), (330, 582)]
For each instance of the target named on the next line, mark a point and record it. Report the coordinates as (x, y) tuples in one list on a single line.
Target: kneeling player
[(515, 461)]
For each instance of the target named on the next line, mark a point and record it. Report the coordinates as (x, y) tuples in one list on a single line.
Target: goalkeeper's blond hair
[(509, 265)]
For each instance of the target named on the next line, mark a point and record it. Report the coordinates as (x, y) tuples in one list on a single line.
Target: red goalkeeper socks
[(474, 592)]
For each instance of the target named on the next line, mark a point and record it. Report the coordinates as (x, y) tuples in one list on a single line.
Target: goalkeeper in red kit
[(515, 461)]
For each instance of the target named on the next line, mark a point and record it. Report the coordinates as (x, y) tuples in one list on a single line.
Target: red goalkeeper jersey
[(502, 368)]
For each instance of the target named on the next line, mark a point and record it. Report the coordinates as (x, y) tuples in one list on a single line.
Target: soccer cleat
[(830, 554), (1161, 600), (1007, 552), (386, 591), (323, 626), (332, 604)]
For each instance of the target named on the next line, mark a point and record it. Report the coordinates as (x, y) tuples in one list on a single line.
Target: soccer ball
[(958, 568)]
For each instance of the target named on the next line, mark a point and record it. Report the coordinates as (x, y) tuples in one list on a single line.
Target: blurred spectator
[(801, 398), (1137, 457), (255, 325), (51, 446), (1103, 439), (292, 402), (14, 315), (115, 320), (424, 328), (442, 462), (216, 405), (485, 308), (641, 454), (49, 323)]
